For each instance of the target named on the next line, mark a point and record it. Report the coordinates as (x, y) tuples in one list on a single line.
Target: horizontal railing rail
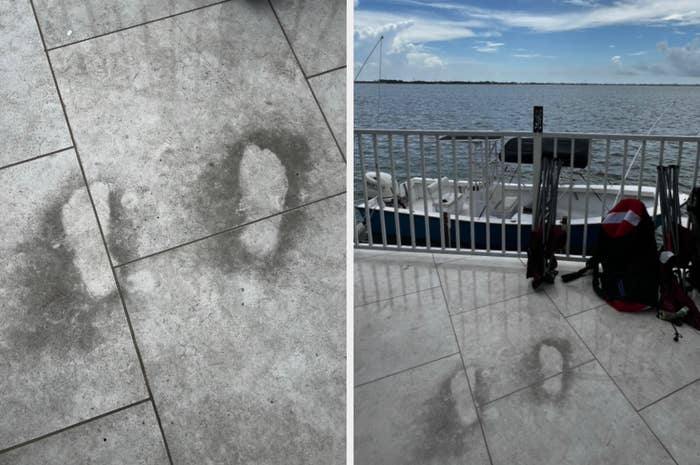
[(471, 192)]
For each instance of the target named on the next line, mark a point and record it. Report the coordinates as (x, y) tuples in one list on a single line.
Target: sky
[(594, 41)]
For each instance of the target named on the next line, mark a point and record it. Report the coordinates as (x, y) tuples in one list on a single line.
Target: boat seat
[(506, 208)]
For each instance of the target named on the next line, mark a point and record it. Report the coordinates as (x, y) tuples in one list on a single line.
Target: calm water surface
[(567, 108)]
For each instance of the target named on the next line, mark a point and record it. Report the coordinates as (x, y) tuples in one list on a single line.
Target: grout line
[(35, 158), (616, 385), (227, 230), (583, 311), (540, 381), (481, 307), (133, 26), (326, 71), (669, 394), (464, 366), (74, 425), (306, 79), (405, 370), (104, 241), (386, 299)]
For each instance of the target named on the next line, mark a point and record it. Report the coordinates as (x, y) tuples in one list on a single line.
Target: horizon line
[(447, 82)]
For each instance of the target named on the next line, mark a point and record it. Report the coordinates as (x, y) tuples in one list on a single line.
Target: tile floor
[(457, 360), (171, 229)]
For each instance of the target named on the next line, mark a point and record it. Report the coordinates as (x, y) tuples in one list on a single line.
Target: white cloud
[(402, 31), (583, 3), (636, 54), (424, 60), (616, 59), (611, 46), (488, 47), (531, 55), (685, 59), (638, 12)]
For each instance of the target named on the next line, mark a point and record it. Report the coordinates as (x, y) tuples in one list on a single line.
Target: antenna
[(381, 39)]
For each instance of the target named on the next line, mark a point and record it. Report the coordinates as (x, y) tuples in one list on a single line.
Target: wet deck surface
[(458, 360), (162, 301)]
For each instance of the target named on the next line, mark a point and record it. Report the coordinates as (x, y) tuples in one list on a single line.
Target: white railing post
[(537, 125)]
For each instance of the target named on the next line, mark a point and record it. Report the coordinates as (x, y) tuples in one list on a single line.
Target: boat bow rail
[(471, 192)]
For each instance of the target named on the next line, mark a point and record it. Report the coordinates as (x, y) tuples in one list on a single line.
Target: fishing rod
[(634, 159)]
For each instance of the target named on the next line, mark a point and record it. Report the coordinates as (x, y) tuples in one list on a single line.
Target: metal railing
[(471, 192)]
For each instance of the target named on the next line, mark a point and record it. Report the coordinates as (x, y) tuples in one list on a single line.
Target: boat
[(491, 213)]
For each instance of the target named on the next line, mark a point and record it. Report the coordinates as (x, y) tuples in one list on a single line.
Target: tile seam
[(37, 157), (404, 370), (227, 230), (155, 20), (464, 366), (308, 84), (104, 241), (73, 426), (634, 409)]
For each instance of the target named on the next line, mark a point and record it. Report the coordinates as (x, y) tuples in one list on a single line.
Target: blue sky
[(621, 41)]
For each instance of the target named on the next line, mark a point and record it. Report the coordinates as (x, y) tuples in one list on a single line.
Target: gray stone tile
[(676, 422), (67, 21), (330, 91), (243, 339), (316, 30), (638, 351), (393, 274), (194, 130), (474, 282), (65, 348), (512, 344), (575, 296), (399, 333), (31, 121), (363, 254), (128, 436), (421, 416), (576, 418)]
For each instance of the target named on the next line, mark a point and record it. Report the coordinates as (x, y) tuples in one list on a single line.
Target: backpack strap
[(575, 275)]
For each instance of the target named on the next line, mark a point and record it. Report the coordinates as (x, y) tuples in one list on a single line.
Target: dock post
[(537, 125)]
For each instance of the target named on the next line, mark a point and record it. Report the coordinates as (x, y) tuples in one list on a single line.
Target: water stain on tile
[(52, 286), (549, 356), (482, 391), (125, 234), (446, 426), (238, 187)]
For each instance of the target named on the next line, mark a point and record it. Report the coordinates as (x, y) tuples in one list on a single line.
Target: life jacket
[(625, 261)]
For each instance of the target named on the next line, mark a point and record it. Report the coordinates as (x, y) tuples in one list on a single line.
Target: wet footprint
[(263, 183), (79, 228)]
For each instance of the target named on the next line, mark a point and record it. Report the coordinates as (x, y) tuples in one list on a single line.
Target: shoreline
[(513, 83)]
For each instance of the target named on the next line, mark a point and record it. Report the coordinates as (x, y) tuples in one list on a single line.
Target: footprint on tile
[(263, 183), (256, 178), (79, 226)]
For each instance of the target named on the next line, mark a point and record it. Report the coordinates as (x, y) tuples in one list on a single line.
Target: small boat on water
[(490, 213)]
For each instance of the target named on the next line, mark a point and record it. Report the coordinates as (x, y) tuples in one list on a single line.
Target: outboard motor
[(381, 185)]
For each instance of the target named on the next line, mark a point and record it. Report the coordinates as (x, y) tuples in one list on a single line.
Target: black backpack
[(625, 261)]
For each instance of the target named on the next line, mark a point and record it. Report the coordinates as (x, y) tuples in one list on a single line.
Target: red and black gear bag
[(625, 259), (627, 253)]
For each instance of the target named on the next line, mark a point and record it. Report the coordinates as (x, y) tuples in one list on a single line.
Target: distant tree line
[(514, 83)]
